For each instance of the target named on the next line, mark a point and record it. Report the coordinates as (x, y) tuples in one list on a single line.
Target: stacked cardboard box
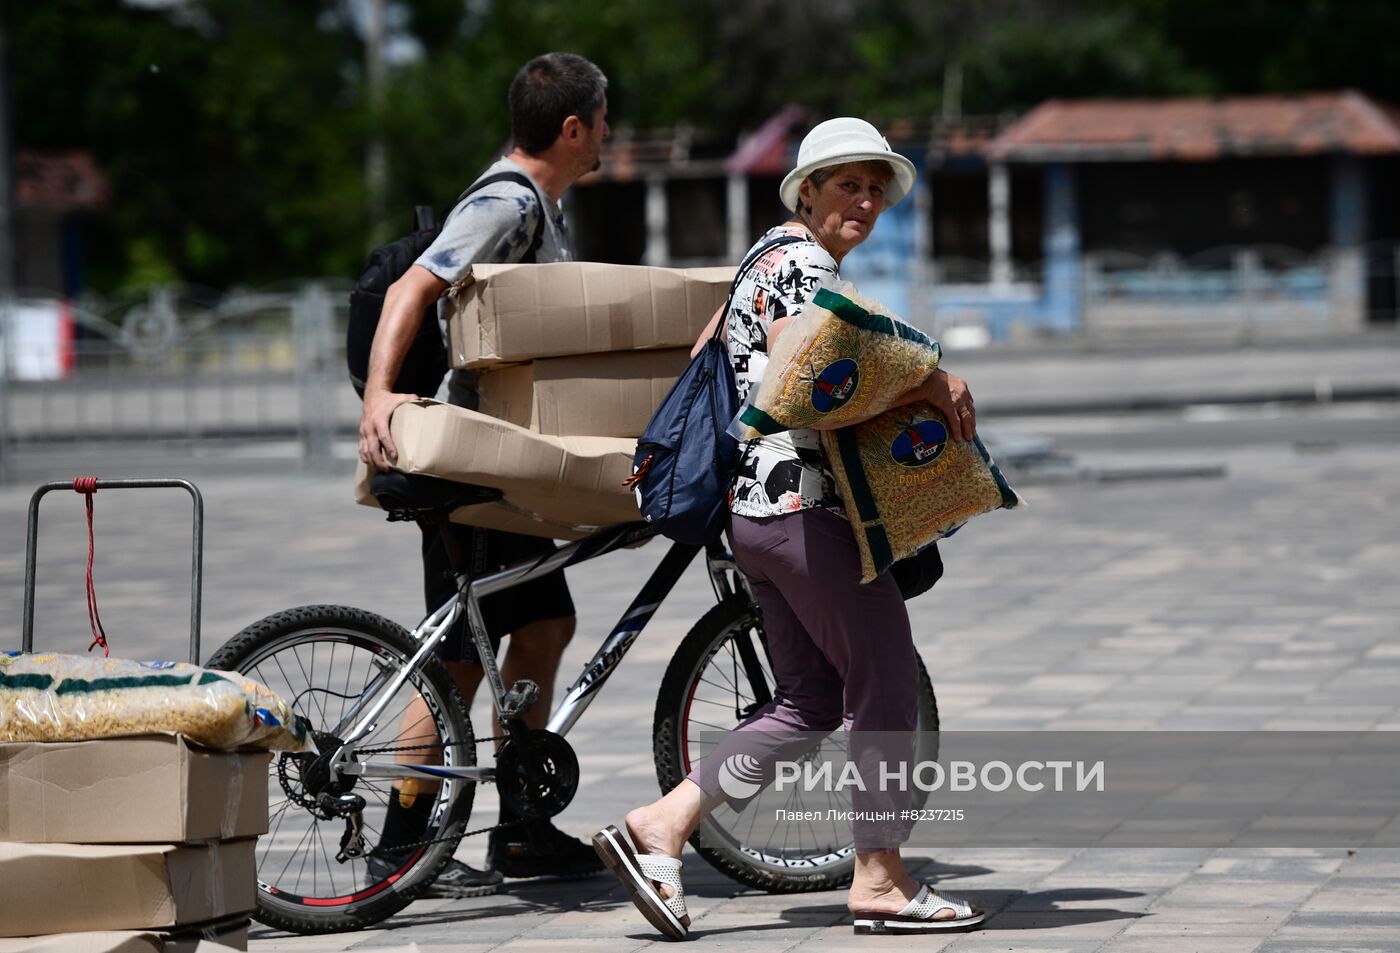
[(593, 395), (572, 360), (128, 844), (580, 349), (513, 313)]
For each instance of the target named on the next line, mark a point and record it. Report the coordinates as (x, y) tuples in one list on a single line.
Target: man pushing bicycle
[(558, 107)]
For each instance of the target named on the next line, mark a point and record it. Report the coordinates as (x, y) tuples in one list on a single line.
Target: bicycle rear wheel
[(325, 661), (710, 686)]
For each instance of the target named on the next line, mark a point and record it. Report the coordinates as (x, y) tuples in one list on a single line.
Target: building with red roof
[(1232, 213), (53, 191)]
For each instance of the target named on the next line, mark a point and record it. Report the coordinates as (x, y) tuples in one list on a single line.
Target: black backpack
[(426, 361)]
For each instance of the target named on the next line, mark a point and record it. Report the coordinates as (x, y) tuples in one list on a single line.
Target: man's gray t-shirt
[(495, 225)]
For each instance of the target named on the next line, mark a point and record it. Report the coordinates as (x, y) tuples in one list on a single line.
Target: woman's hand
[(950, 395)]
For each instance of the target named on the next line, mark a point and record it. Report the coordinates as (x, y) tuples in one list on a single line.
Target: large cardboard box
[(598, 395), (55, 888), (152, 789), (219, 937), (557, 487), (513, 313)]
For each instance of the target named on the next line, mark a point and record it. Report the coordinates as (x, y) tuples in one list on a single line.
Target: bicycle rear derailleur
[(307, 780)]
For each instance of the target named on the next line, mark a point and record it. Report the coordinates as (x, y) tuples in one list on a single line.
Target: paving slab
[(1265, 599)]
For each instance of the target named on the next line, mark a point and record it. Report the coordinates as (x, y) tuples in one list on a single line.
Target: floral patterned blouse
[(788, 471)]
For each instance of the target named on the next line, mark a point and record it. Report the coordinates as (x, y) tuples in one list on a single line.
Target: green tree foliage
[(234, 132), (1021, 62), (447, 115), (230, 131), (1249, 46)]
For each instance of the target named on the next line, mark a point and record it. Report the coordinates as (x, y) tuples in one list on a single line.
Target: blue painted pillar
[(1348, 212), (74, 276), (1347, 271), (1062, 307)]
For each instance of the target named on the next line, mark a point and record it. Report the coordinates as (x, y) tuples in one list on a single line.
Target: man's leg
[(410, 801), (538, 848), (533, 652)]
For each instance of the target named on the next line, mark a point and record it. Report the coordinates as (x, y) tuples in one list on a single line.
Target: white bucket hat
[(838, 141)]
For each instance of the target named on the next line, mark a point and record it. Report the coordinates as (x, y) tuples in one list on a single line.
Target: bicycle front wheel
[(717, 677), (330, 663)]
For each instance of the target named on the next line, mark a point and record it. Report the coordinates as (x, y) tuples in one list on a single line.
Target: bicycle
[(326, 804)]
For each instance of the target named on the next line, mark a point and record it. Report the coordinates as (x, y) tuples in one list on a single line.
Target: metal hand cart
[(87, 486)]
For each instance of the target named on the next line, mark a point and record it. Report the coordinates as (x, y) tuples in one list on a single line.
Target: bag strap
[(744, 267), (519, 179)]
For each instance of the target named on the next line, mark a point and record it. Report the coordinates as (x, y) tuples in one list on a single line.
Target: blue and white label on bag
[(835, 385), (920, 443)]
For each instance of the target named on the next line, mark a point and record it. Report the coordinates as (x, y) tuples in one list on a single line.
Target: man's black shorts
[(504, 612)]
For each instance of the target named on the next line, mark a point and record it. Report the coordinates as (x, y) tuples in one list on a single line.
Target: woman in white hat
[(837, 647)]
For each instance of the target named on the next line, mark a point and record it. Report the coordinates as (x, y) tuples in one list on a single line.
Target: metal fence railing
[(1230, 290), (175, 364), (1266, 273), (179, 364)]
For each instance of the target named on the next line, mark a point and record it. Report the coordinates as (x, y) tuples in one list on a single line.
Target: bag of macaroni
[(906, 484)]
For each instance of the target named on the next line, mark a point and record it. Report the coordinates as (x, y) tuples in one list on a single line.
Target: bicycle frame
[(724, 577)]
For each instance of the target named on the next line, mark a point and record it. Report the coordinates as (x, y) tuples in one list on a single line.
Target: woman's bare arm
[(708, 333)]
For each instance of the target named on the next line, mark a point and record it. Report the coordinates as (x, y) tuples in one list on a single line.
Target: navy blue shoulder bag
[(685, 460)]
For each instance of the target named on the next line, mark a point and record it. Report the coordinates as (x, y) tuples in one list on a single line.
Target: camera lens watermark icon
[(740, 776)]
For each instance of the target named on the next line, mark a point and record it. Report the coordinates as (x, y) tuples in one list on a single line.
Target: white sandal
[(637, 872), (917, 916)]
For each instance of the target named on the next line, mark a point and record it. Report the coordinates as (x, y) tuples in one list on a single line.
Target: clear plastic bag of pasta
[(905, 484), (55, 697), (842, 359)]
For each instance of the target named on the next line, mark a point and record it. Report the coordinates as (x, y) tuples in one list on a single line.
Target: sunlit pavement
[(1264, 599)]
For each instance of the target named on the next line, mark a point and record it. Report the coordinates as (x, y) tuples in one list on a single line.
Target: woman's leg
[(837, 646), (863, 632), (807, 701)]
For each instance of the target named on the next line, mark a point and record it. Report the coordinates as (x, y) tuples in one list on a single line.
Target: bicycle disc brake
[(306, 778), (539, 777)]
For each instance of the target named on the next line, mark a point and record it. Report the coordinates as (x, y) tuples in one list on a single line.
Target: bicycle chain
[(424, 747), (464, 834)]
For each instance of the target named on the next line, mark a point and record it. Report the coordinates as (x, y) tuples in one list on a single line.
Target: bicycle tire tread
[(360, 914), (666, 746)]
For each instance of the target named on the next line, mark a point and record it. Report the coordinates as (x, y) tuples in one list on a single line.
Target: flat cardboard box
[(55, 888), (220, 937), (597, 395), (507, 517), (151, 789), (557, 487), (514, 313)]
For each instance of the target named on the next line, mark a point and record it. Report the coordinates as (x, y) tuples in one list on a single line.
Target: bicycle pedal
[(523, 693)]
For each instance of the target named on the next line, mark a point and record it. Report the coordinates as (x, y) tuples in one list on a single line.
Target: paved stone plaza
[(1266, 599)]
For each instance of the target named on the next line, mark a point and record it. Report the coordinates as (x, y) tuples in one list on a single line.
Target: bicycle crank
[(537, 773)]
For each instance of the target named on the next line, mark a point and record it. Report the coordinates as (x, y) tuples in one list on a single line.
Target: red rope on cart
[(87, 486)]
